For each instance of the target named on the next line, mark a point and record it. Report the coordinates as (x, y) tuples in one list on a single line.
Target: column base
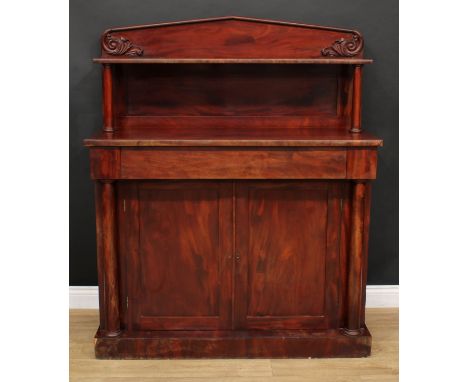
[(352, 332)]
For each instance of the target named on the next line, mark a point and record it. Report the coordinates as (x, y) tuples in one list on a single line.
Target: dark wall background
[(376, 20)]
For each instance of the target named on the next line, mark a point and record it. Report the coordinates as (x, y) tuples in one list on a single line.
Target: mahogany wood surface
[(233, 344), (361, 163), (312, 61), (107, 256), (224, 136), (233, 162), (232, 194), (356, 116), (287, 251), (231, 37), (365, 246), (249, 163), (238, 95), (108, 125), (220, 90), (182, 253), (105, 163), (356, 260)]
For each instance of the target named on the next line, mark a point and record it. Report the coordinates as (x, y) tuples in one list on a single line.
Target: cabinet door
[(178, 244), (287, 255)]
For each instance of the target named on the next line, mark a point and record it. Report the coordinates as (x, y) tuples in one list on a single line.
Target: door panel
[(180, 255), (287, 236)]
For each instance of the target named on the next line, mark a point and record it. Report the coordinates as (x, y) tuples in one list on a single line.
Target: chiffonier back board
[(232, 191)]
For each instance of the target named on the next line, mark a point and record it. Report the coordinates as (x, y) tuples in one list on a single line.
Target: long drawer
[(232, 163)]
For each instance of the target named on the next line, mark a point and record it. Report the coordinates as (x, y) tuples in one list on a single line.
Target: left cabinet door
[(176, 243)]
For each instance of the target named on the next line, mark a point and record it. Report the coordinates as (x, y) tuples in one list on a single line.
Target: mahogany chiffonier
[(232, 191)]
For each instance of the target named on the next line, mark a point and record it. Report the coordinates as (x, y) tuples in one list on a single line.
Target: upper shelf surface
[(326, 61), (232, 40), (311, 137)]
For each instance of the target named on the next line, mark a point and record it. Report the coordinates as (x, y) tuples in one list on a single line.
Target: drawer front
[(233, 164)]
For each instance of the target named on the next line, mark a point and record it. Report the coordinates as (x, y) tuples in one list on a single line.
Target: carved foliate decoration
[(345, 48), (120, 46)]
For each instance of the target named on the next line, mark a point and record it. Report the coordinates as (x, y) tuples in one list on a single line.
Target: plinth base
[(233, 344)]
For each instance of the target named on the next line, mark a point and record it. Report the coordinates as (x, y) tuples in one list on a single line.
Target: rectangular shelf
[(322, 61), (310, 137)]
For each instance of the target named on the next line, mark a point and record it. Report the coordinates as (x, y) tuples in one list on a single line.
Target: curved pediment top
[(231, 37)]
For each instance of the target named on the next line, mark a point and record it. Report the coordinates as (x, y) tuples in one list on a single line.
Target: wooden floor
[(381, 366)]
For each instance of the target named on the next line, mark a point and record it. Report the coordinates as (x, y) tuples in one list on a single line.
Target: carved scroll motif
[(345, 48), (119, 46)]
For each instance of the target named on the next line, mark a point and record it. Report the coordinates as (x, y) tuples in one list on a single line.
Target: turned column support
[(354, 323), (356, 114), (106, 226), (108, 125)]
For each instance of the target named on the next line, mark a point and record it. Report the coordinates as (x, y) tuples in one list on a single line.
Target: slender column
[(356, 261), (107, 257), (107, 98), (356, 116)]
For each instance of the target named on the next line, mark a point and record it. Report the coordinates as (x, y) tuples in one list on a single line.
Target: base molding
[(233, 344)]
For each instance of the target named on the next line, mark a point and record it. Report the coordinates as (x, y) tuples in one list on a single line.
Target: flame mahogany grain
[(231, 37), (232, 191)]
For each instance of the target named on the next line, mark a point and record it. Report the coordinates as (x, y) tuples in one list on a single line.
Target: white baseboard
[(378, 296), (382, 296), (83, 297)]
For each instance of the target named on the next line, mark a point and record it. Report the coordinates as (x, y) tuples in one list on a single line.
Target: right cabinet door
[(287, 237)]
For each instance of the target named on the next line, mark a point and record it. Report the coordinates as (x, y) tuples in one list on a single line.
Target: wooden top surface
[(316, 61), (305, 137)]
